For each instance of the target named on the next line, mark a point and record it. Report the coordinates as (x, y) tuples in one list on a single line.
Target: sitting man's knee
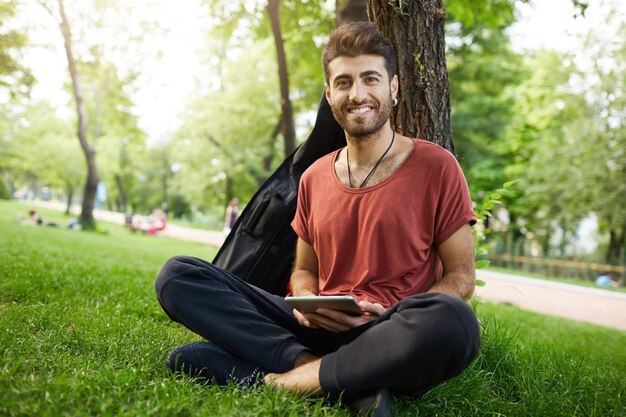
[(174, 266), (460, 333), (449, 332)]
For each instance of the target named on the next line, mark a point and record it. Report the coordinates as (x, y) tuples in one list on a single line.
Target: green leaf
[(482, 263), (488, 205), (481, 251), (509, 184), (480, 283)]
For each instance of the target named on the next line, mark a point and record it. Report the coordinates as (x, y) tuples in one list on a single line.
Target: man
[(386, 220)]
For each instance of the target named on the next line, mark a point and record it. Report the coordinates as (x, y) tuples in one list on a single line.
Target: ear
[(327, 93), (393, 86)]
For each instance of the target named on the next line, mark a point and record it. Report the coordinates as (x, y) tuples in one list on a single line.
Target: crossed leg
[(417, 344)]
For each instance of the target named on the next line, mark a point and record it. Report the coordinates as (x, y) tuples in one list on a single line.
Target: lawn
[(83, 335)]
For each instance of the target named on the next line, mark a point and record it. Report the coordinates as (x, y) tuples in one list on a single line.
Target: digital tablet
[(344, 303)]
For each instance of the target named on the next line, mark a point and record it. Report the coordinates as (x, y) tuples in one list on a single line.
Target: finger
[(347, 321), (310, 323), (372, 308), (301, 318), (327, 323)]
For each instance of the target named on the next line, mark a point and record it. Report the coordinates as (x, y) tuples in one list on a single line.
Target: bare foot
[(302, 379)]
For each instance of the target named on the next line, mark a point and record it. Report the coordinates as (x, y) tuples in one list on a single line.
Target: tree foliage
[(566, 143), (15, 78)]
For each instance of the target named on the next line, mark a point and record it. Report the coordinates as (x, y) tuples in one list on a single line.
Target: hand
[(337, 321)]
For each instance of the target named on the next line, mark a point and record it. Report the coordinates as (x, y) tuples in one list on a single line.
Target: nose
[(357, 92)]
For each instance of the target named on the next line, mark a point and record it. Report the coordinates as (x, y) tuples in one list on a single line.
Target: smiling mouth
[(360, 110)]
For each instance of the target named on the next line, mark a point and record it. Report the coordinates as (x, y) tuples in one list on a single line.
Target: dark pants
[(418, 343)]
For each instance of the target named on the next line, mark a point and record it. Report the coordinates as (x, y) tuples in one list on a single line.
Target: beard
[(363, 126)]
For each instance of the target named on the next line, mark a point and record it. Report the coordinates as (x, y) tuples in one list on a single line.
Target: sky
[(162, 93)]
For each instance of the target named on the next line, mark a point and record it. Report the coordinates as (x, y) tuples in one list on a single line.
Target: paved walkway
[(597, 306), (592, 305)]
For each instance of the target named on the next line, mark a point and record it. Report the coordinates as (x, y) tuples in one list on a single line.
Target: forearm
[(458, 284), (304, 283)]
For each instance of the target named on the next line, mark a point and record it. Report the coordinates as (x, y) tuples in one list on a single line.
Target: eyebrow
[(370, 72), (361, 75)]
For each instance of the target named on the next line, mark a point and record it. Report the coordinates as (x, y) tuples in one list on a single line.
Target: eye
[(342, 84), (371, 80)]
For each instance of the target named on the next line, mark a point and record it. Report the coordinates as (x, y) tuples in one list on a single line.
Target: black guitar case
[(260, 249)]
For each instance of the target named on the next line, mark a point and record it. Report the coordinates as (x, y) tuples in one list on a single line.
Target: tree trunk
[(617, 241), (164, 181), (350, 11), (416, 29), (288, 128), (70, 197), (89, 193), (269, 157), (120, 188), (228, 188)]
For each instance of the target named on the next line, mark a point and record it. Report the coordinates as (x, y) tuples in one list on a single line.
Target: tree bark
[(164, 181), (228, 188), (288, 128), (350, 11), (416, 30), (91, 183), (70, 196), (616, 244), (120, 188)]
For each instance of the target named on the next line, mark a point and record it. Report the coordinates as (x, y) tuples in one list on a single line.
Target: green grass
[(573, 281), (83, 335)]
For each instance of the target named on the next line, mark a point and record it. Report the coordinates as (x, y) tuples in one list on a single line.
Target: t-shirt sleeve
[(454, 208), (300, 221)]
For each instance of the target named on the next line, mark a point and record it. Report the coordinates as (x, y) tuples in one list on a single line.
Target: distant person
[(151, 225), (157, 222), (605, 280), (74, 224), (232, 214), (35, 219)]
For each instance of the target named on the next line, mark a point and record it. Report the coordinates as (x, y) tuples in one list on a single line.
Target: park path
[(591, 305)]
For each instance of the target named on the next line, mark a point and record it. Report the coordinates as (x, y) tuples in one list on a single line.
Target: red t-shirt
[(378, 243)]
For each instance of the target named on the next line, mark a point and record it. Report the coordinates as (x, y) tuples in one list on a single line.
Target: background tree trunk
[(288, 128), (69, 189), (615, 247), (165, 173), (350, 11), (91, 183), (416, 29), (120, 188)]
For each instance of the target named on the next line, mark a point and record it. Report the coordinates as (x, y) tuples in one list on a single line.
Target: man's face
[(359, 93)]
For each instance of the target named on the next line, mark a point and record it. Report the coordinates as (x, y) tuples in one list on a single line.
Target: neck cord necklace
[(375, 166)]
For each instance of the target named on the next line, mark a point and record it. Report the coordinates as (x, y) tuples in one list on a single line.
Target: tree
[(14, 77), (15, 83), (286, 119), (483, 73), (350, 11), (43, 152), (416, 29), (227, 137), (89, 150)]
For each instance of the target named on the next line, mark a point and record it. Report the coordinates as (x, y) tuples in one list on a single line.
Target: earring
[(395, 101)]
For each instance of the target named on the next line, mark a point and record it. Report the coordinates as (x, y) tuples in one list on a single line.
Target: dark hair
[(359, 38)]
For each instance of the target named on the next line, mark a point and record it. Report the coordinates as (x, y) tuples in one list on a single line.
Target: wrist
[(304, 293)]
